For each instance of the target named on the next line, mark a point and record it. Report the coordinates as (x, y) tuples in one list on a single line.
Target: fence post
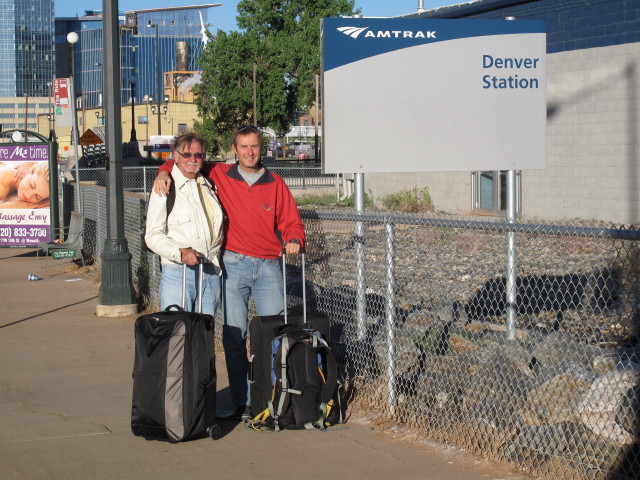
[(390, 314), (361, 299), (512, 258), (144, 183)]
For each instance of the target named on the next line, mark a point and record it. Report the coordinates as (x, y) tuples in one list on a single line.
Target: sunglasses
[(188, 155), (247, 128)]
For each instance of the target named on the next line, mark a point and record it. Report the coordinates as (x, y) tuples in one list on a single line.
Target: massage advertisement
[(24, 194)]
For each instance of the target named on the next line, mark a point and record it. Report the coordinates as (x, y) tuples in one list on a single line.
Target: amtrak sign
[(411, 95)]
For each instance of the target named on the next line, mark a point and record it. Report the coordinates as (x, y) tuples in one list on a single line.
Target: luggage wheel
[(214, 431)]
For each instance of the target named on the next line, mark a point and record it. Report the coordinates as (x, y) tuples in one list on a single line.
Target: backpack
[(305, 383)]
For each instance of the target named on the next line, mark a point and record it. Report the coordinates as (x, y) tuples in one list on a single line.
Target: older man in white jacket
[(191, 232)]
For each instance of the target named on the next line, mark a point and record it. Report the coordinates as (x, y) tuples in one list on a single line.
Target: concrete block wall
[(575, 24), (593, 129), (593, 135), (450, 192)]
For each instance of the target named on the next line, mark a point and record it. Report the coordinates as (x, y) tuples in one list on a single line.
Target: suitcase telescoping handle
[(184, 285), (304, 286)]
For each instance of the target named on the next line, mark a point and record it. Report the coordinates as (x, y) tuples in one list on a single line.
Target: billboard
[(24, 194), (414, 95)]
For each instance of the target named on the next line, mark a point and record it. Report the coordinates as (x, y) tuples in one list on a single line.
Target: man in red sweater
[(261, 215)]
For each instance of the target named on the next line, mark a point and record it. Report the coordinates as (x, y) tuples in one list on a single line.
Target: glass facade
[(148, 47), (27, 51)]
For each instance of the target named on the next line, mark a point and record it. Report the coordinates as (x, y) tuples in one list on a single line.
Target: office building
[(152, 42), (27, 61), (27, 54)]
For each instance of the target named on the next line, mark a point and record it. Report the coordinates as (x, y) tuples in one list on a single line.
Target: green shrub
[(416, 200)]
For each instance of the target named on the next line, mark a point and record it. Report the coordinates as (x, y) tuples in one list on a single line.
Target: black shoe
[(243, 412)]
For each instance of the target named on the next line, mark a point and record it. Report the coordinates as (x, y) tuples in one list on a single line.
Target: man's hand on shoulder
[(161, 184)]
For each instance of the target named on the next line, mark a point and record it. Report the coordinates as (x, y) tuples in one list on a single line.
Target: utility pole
[(255, 99)]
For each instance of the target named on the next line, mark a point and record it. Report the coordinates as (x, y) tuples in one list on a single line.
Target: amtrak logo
[(354, 32)]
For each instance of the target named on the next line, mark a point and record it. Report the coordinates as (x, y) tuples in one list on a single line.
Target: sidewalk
[(65, 403)]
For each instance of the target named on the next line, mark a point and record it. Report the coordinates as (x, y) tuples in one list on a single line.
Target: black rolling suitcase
[(174, 374), (262, 331)]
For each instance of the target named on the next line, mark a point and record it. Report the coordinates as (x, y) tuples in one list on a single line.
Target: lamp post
[(133, 111), (100, 95), (50, 115), (72, 38), (159, 93), (164, 110), (116, 291), (149, 100), (153, 112), (165, 107)]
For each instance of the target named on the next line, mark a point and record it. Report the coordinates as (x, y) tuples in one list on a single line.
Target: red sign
[(61, 92)]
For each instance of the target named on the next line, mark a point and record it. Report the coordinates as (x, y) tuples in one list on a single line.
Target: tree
[(282, 39)]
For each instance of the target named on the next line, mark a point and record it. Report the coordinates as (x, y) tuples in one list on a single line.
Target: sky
[(224, 16)]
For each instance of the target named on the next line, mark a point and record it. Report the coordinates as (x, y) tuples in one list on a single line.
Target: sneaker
[(243, 412)]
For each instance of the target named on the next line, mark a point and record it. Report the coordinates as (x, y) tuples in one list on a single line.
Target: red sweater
[(256, 213)]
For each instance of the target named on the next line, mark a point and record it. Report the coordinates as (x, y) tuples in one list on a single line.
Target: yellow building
[(173, 118)]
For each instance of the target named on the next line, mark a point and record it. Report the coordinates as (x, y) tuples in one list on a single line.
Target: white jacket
[(187, 223)]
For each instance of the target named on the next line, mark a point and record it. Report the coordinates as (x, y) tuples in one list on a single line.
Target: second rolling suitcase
[(262, 331)]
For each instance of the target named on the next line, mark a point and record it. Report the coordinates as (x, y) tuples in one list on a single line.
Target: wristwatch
[(294, 240)]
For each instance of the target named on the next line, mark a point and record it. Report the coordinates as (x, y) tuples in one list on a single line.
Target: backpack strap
[(171, 196), (171, 200), (286, 343), (330, 384)]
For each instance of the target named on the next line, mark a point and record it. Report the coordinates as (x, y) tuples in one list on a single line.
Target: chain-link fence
[(420, 324), (425, 338), (140, 179)]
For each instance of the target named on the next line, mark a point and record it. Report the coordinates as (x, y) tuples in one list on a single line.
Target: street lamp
[(133, 111), (158, 76), (164, 110), (97, 117), (100, 95), (149, 100), (50, 115), (72, 38), (153, 112)]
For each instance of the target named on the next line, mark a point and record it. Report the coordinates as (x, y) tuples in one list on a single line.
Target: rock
[(558, 347), (501, 376), (598, 407), (545, 373), (459, 344), (553, 402), (494, 414), (603, 364)]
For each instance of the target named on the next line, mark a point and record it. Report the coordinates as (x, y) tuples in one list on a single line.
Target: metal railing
[(140, 179)]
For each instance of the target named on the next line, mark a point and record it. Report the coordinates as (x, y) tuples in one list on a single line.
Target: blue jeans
[(243, 276), (171, 287)]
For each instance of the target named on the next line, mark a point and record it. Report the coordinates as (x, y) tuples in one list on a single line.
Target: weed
[(416, 200)]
